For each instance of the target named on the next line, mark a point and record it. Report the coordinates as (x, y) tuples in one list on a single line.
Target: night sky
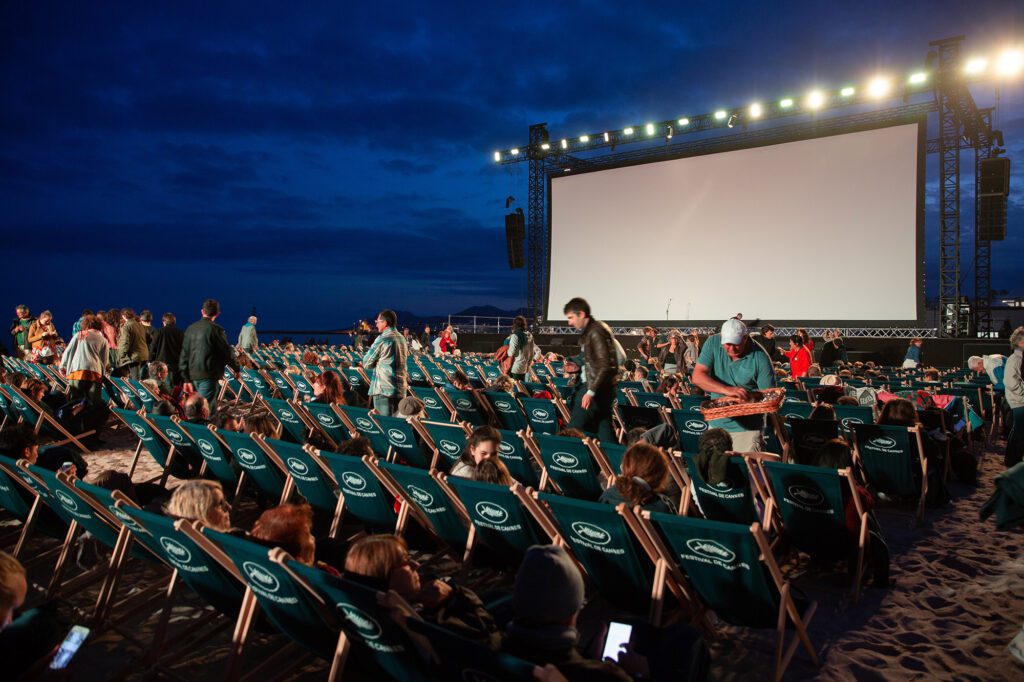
[(322, 160)]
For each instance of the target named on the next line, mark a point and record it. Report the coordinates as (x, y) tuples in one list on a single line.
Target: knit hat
[(733, 331), (549, 587), (410, 406)]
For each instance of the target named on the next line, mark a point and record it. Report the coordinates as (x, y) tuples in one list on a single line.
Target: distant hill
[(491, 311)]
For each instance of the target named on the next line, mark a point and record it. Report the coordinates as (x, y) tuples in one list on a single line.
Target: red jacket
[(799, 361)]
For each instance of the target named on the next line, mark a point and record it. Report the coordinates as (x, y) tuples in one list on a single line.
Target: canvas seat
[(892, 459), (807, 436), (436, 408), (570, 464)]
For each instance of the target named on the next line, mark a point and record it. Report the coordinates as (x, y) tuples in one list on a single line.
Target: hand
[(188, 388), (548, 673), (632, 662), (434, 593), (587, 399), (738, 392)]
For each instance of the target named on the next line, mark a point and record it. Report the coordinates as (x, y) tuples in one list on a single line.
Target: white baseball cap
[(733, 331)]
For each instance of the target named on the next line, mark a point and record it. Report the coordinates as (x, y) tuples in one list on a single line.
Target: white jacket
[(87, 350)]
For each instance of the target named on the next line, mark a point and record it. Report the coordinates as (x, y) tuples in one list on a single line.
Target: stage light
[(584, 138), (497, 156), (879, 87), (545, 146), (514, 151), (650, 128), (918, 78), (720, 114), (627, 131), (1010, 62), (755, 110), (669, 136), (684, 121), (607, 137), (565, 143), (815, 99), (732, 121), (786, 103), (975, 66), (847, 92)]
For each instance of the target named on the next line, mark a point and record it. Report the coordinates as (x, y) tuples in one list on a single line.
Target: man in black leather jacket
[(593, 414)]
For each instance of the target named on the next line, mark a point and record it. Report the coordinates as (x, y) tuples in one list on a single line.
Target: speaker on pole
[(992, 218), (994, 177), (515, 238)]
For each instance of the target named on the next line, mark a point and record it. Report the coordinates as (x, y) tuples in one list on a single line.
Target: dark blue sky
[(322, 160)]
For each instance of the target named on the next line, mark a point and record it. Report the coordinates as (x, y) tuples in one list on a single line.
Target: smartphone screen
[(618, 634), (69, 646)]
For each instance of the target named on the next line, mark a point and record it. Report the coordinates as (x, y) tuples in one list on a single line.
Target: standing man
[(387, 358), (425, 339), (166, 347), (593, 414), (19, 330), (646, 345), (247, 339), (520, 349), (730, 364), (767, 342), (132, 347), (146, 318), (1013, 382), (205, 353)]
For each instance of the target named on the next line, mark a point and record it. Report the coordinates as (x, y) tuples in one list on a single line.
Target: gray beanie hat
[(549, 587)]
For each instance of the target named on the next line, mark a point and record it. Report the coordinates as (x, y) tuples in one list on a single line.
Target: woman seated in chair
[(482, 444), (494, 471), (902, 412), (202, 501), (644, 473), (328, 389), (382, 562), (290, 527), (262, 423)]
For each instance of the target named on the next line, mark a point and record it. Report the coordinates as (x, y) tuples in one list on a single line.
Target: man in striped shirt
[(387, 358)]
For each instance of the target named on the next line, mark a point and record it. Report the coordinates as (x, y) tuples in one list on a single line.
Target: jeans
[(1015, 443), (386, 405), (208, 389), (596, 421)]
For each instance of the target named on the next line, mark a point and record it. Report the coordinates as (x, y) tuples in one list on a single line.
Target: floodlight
[(786, 103), (607, 137), (918, 78), (545, 146), (720, 114), (755, 110), (514, 151), (815, 99), (732, 121), (565, 143), (627, 131), (847, 92), (879, 87), (584, 138), (669, 135), (684, 121), (975, 66), (497, 156), (650, 128), (1010, 62)]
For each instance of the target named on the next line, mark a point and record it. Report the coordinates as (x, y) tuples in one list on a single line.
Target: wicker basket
[(761, 402)]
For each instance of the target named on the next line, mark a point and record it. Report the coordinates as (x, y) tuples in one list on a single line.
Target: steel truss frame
[(816, 332)]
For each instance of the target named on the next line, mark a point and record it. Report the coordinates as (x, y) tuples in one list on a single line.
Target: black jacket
[(599, 356), (205, 352), (166, 346)]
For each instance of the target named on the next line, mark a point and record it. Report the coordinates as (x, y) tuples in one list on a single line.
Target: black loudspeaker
[(994, 178), (992, 218), (515, 237)]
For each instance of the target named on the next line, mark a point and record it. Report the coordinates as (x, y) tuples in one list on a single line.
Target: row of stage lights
[(1008, 64)]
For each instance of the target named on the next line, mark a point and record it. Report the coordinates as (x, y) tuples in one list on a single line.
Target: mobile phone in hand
[(69, 647)]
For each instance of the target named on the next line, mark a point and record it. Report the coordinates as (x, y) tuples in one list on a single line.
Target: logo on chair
[(812, 440), (139, 431), (421, 496), (367, 626), (364, 423), (564, 459), (286, 415), (66, 500), (652, 403), (696, 425), (694, 408), (174, 435), (297, 466), (206, 447), (806, 495), (396, 436), (709, 549), (449, 447), (506, 449), (503, 405), (246, 456), (463, 403), (793, 415), (849, 421), (491, 512), (325, 419), (260, 576), (540, 414), (176, 551), (883, 442), (353, 481), (588, 532), (126, 521)]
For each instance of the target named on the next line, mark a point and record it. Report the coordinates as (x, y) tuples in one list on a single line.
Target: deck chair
[(356, 380), (732, 568), (282, 384), (812, 503), (570, 464), (23, 501), (690, 403), (436, 374), (415, 373), (293, 427), (216, 457), (156, 444), (649, 399), (326, 420), (733, 500), (145, 396), (465, 406), (613, 452), (518, 459), (359, 420), (541, 414), (362, 496), (184, 448), (795, 409), (421, 495), (449, 440), (260, 464), (303, 389), (506, 410), (41, 421), (379, 646), (638, 416), (500, 523), (807, 437), (463, 659), (437, 410), (125, 395), (310, 476), (406, 442), (689, 427), (853, 414), (893, 461)]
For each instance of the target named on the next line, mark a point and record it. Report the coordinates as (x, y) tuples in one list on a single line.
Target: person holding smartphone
[(25, 639)]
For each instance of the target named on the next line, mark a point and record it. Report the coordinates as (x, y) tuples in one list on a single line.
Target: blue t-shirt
[(753, 372)]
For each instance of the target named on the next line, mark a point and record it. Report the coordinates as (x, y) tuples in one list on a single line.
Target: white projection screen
[(819, 230)]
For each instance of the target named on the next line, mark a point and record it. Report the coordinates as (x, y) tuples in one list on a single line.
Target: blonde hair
[(194, 500), (376, 556), (9, 566)]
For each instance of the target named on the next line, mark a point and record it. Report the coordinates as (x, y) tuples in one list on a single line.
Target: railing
[(478, 324)]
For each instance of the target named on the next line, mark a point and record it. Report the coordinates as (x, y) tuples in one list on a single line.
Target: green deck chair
[(154, 443), (415, 374), (449, 440), (733, 570), (648, 399), (419, 488), (22, 500), (614, 453), (437, 411), (602, 542), (293, 428), (41, 421), (405, 441), (218, 460), (732, 500), (303, 389), (506, 410), (466, 407), (500, 523), (795, 409), (807, 437), (462, 659), (355, 381), (259, 467), (364, 498), (892, 460), (362, 422), (691, 403), (437, 375), (570, 465), (281, 384), (310, 478), (690, 426), (512, 451), (184, 448), (144, 396), (853, 414), (330, 424)]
